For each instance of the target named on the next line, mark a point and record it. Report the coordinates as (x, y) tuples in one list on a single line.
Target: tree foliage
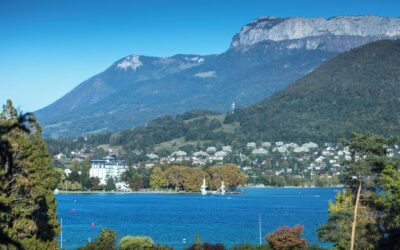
[(190, 179), (157, 178), (286, 238), (27, 204), (251, 247), (229, 173), (194, 179), (105, 241), (74, 175), (388, 203), (110, 184), (175, 176), (136, 178), (136, 242), (377, 224), (338, 227)]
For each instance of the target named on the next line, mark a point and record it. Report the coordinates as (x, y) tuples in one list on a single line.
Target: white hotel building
[(107, 168)]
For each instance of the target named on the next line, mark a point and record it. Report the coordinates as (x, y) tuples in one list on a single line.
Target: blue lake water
[(171, 218)]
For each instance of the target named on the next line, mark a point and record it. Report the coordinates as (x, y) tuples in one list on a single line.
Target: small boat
[(72, 210), (221, 189), (203, 187)]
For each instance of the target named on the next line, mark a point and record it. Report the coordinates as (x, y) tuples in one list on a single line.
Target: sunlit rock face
[(334, 34)]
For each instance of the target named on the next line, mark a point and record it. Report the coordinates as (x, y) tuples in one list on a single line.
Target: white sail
[(203, 187), (222, 188)]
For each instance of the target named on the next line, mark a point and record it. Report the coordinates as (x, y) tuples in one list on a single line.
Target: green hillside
[(358, 91), (189, 131)]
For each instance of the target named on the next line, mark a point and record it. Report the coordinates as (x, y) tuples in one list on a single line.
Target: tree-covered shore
[(239, 190), (184, 178), (364, 215)]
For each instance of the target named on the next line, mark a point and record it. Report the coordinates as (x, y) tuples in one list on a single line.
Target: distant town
[(265, 164)]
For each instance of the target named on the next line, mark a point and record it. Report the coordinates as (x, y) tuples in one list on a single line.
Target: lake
[(175, 219)]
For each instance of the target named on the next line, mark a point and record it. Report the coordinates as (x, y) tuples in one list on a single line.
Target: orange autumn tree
[(287, 238)]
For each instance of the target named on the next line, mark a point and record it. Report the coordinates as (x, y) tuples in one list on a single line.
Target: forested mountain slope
[(358, 91)]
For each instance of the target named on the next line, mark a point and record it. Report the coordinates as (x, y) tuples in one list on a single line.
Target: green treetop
[(136, 242), (157, 178)]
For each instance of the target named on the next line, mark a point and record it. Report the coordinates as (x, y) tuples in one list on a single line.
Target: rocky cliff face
[(317, 33), (266, 56)]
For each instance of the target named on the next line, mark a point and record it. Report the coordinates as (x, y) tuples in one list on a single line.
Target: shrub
[(206, 246), (250, 247), (105, 241), (136, 242), (286, 238)]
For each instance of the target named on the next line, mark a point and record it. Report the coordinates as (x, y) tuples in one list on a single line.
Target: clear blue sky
[(49, 47)]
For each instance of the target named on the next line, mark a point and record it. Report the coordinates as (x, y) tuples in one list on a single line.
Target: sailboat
[(203, 187), (221, 189)]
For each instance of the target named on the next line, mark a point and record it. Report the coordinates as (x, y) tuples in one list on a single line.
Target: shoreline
[(63, 192), (140, 192), (338, 186), (120, 192)]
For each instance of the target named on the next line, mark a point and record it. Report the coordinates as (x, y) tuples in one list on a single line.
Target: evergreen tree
[(372, 172), (94, 183), (9, 112), (28, 214), (85, 177), (388, 202), (74, 175), (7, 172), (110, 185)]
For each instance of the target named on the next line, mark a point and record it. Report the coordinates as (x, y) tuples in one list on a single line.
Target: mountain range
[(357, 91), (264, 57)]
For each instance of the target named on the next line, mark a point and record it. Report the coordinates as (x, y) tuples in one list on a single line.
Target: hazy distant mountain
[(264, 57)]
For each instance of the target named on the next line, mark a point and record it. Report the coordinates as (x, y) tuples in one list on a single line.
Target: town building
[(109, 167)]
